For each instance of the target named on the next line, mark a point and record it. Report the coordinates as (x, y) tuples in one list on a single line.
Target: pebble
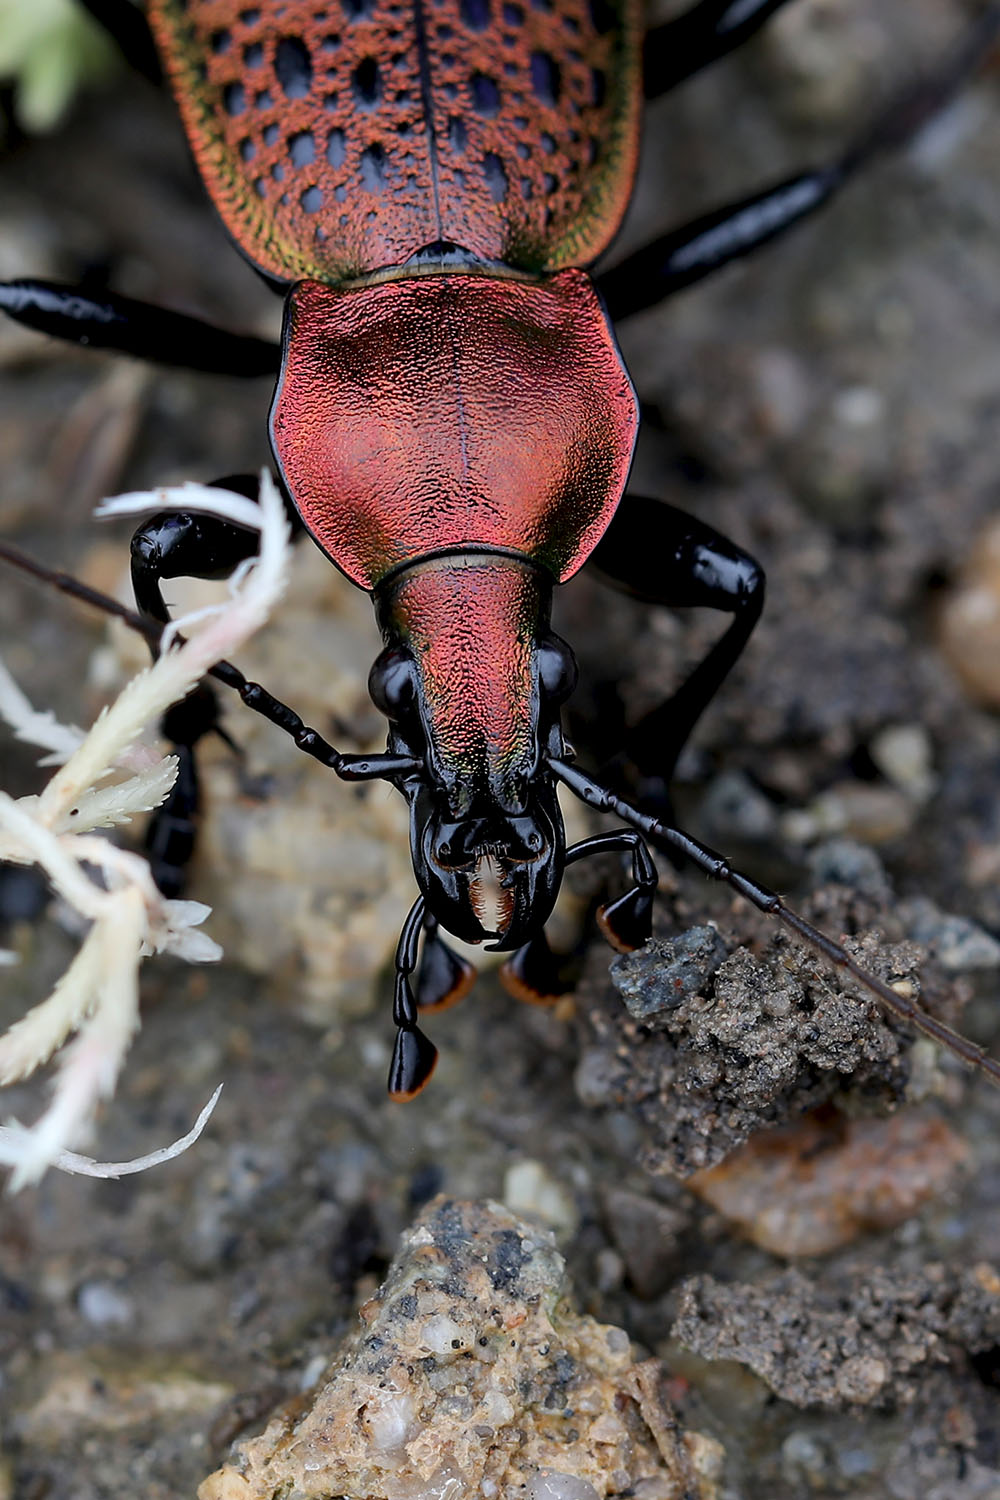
[(405, 1411), (819, 1184), (683, 966), (969, 622)]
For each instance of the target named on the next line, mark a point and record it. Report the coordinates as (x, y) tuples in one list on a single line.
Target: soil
[(831, 405)]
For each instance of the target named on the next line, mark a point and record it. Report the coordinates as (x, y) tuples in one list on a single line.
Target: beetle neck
[(470, 621)]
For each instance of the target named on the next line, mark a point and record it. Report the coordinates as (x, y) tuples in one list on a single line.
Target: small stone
[(529, 1188), (104, 1305), (969, 623), (860, 1379), (816, 1185), (734, 808), (959, 944), (561, 1413), (903, 753), (663, 975)]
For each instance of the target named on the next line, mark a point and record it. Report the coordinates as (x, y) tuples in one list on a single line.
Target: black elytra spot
[(496, 177), (312, 200), (372, 168), (293, 67), (513, 15), (249, 17), (458, 136), (278, 172), (234, 98), (253, 55), (366, 83), (475, 14), (602, 15), (523, 150), (485, 96), (260, 187), (270, 134), (598, 87), (302, 149), (545, 78), (263, 99), (248, 149), (336, 148), (220, 40)]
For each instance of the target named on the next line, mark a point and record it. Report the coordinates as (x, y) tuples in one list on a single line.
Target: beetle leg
[(626, 923), (535, 974), (697, 37), (127, 26), (444, 977), (108, 321), (663, 556), (694, 251), (176, 544), (414, 1055)]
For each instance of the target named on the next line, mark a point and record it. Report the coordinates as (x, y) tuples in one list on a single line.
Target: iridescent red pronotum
[(425, 180)]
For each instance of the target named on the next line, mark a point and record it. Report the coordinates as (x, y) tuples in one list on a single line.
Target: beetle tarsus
[(444, 976), (414, 1058), (534, 973)]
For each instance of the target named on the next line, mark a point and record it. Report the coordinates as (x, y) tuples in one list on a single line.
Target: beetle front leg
[(536, 974), (176, 544), (663, 556)]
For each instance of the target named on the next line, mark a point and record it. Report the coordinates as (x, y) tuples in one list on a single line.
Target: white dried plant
[(96, 1001)]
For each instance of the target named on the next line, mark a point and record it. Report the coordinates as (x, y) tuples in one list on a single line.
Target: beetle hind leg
[(662, 556)]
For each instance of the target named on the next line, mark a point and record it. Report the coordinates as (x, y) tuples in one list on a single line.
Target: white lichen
[(96, 1001)]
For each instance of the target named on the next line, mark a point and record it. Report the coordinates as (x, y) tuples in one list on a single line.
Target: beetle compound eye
[(392, 683), (557, 672)]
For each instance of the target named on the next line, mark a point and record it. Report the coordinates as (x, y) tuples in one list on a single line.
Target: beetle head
[(486, 833)]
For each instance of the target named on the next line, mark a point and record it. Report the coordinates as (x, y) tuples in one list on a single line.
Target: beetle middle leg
[(662, 556), (688, 254)]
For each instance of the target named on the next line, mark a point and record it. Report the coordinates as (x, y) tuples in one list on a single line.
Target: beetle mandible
[(425, 181)]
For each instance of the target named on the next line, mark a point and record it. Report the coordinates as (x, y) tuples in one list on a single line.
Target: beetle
[(452, 422)]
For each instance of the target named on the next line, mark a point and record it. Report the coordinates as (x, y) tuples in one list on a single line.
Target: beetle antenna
[(349, 767), (602, 799)]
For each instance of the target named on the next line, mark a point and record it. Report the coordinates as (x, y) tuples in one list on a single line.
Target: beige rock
[(969, 625), (472, 1374)]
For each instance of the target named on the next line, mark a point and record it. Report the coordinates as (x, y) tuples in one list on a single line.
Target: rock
[(472, 1374), (663, 975), (969, 623), (959, 945), (822, 1182), (860, 1345)]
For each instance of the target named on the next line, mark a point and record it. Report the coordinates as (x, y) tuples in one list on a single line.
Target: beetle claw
[(533, 973), (628, 922), (413, 1060), (444, 976)]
